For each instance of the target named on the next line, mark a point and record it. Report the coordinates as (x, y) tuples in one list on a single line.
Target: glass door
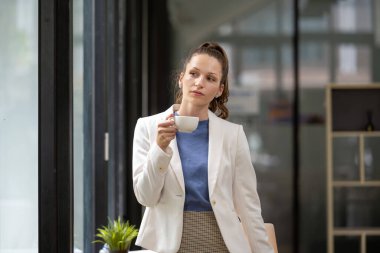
[(19, 126)]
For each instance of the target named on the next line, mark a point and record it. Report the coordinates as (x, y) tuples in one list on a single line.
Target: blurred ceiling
[(194, 19), (315, 8)]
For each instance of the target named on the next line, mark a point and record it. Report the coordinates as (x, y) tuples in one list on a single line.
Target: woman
[(199, 188)]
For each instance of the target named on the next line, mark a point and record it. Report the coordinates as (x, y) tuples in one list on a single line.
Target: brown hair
[(217, 105)]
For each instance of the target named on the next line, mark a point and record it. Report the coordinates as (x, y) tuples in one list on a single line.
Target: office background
[(76, 75)]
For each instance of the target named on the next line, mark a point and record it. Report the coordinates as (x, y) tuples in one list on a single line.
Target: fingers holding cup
[(166, 132)]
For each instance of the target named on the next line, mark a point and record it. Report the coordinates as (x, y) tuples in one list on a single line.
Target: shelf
[(349, 108), (356, 231), (356, 183), (339, 134), (346, 115)]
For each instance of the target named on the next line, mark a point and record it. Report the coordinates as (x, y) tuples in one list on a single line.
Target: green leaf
[(117, 234)]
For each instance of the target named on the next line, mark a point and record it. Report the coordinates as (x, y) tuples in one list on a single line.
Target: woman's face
[(201, 80)]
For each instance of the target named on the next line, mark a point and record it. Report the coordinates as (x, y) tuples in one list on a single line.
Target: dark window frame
[(55, 161), (121, 68)]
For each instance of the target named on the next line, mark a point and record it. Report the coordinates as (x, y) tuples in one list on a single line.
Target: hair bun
[(211, 45)]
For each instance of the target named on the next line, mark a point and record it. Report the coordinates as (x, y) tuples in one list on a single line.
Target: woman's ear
[(180, 80), (221, 89)]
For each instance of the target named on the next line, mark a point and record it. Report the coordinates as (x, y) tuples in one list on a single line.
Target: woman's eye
[(212, 79), (192, 73)]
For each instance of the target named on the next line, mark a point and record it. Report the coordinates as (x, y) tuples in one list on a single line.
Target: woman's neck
[(191, 110)]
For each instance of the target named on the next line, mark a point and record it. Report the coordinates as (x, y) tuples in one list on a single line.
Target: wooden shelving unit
[(346, 107)]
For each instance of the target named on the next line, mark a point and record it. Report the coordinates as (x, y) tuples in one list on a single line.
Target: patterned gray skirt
[(201, 234)]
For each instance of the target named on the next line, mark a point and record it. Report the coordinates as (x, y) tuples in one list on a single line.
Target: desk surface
[(142, 251)]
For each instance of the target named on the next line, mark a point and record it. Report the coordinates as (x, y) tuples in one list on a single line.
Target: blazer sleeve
[(247, 202), (150, 164)]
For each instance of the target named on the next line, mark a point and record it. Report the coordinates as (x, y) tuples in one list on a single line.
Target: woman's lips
[(197, 93)]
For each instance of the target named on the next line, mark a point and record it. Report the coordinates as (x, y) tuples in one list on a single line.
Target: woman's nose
[(199, 81)]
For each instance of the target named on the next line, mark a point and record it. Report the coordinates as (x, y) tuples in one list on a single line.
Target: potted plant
[(118, 235)]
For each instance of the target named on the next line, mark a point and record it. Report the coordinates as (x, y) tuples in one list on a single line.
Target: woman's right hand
[(166, 131)]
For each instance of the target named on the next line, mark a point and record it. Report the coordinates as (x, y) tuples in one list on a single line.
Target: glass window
[(314, 16), (353, 63), (346, 159), (372, 158), (260, 21), (350, 16), (261, 89), (335, 47), (285, 14), (287, 75), (19, 126), (314, 24), (257, 67), (78, 125), (356, 207), (314, 64)]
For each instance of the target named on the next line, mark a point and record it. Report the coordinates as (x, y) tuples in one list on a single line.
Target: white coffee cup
[(186, 124)]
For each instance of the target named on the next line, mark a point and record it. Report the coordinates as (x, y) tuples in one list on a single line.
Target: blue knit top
[(193, 151)]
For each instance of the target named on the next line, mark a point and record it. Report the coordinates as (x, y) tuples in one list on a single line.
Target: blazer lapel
[(176, 164), (214, 150)]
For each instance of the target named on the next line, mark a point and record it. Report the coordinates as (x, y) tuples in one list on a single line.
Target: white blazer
[(159, 185)]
